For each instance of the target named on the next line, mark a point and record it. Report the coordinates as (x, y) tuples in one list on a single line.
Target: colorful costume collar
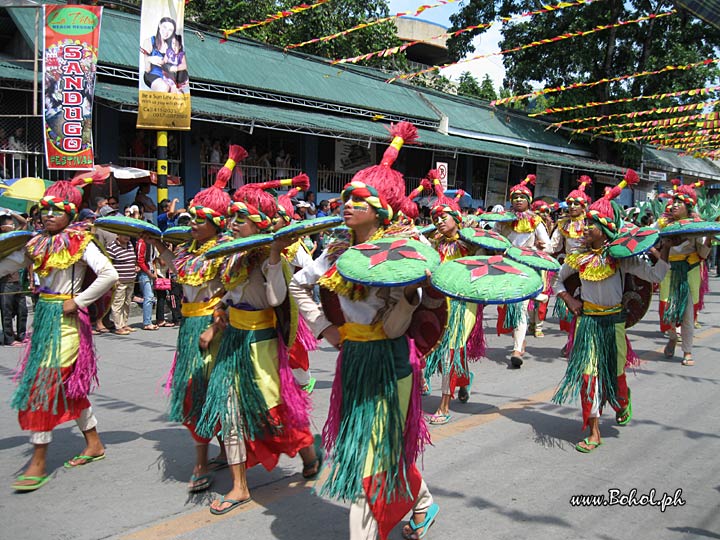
[(526, 222), (449, 248), (58, 251), (572, 227), (237, 267), (592, 265), (192, 268)]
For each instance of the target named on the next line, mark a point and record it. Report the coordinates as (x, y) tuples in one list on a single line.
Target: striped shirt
[(124, 260)]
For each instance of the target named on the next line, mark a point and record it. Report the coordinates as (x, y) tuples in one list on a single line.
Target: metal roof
[(670, 160), (254, 65)]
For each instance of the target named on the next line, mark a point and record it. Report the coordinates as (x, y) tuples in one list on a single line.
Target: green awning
[(672, 161)]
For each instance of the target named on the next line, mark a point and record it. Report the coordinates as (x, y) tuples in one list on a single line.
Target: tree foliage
[(330, 18), (651, 45)]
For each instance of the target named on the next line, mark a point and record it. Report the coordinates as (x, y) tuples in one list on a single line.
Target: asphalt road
[(504, 468)]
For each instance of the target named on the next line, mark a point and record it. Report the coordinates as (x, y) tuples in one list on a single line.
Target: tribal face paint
[(358, 206)]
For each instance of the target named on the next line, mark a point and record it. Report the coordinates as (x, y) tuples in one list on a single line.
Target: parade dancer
[(680, 291), (251, 392), (59, 367), (568, 238), (202, 290), (526, 231), (599, 353), (375, 429), (463, 340), (537, 309)]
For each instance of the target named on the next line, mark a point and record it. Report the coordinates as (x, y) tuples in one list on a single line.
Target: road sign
[(442, 168)]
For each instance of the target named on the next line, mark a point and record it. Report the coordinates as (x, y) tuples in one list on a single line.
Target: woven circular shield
[(310, 226), (12, 241), (224, 249), (539, 260), (691, 227), (497, 217), (485, 239), (388, 262), (634, 242), (177, 235), (127, 226), (487, 280)]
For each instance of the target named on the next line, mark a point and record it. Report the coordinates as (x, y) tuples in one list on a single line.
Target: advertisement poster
[(351, 156), (164, 99), (497, 181), (547, 183), (70, 50)]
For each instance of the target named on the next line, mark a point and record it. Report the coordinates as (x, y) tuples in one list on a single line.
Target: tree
[(324, 20), (651, 45), (469, 85), (487, 90)]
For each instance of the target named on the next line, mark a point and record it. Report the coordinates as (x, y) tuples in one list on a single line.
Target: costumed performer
[(251, 393), (681, 290), (59, 365), (463, 340), (375, 428), (600, 350), (526, 231), (202, 288)]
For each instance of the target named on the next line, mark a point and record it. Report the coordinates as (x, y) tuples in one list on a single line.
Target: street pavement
[(504, 468)]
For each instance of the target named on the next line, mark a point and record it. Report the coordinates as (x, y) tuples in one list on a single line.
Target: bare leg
[(594, 437), (239, 491), (444, 407), (37, 464)]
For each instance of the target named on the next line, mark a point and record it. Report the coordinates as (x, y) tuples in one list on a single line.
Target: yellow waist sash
[(54, 297), (594, 309), (362, 332), (199, 309), (692, 258), (252, 320)]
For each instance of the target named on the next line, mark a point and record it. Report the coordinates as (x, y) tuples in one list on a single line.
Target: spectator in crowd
[(101, 309), (310, 199), (184, 219), (302, 209), (144, 202), (146, 276), (87, 215), (168, 292), (167, 214), (113, 202), (335, 207), (12, 301), (132, 211), (122, 255), (323, 209), (99, 203), (282, 164)]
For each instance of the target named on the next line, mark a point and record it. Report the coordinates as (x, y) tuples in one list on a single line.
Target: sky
[(485, 43)]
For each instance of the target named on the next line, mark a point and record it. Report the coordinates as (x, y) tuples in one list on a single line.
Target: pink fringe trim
[(476, 345), (704, 285), (416, 433), (332, 424), (297, 402), (632, 360), (84, 376), (167, 388), (305, 336)]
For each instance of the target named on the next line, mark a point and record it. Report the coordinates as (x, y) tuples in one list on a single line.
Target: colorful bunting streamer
[(371, 23), (672, 110), (665, 95), (573, 86), (384, 53), (667, 136), (705, 117), (555, 39), (276, 17)]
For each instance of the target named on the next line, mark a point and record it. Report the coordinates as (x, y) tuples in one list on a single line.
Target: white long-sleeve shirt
[(264, 288)]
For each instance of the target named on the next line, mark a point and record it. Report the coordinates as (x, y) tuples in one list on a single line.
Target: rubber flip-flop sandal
[(200, 483), (626, 412), (310, 386), (40, 481), (86, 460), (317, 461), (425, 525), (234, 503), (592, 445), (439, 419)]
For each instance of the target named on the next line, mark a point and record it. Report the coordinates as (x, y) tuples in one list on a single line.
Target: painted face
[(357, 212), (575, 209), (445, 224), (242, 227), (54, 220), (202, 230), (678, 210), (593, 235), (166, 30), (520, 203)]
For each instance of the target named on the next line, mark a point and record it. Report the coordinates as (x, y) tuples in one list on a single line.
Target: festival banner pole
[(162, 165)]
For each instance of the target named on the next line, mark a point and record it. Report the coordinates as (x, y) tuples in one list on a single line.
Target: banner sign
[(70, 50), (164, 100)]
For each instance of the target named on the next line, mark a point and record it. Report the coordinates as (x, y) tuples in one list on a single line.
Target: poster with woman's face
[(164, 100)]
